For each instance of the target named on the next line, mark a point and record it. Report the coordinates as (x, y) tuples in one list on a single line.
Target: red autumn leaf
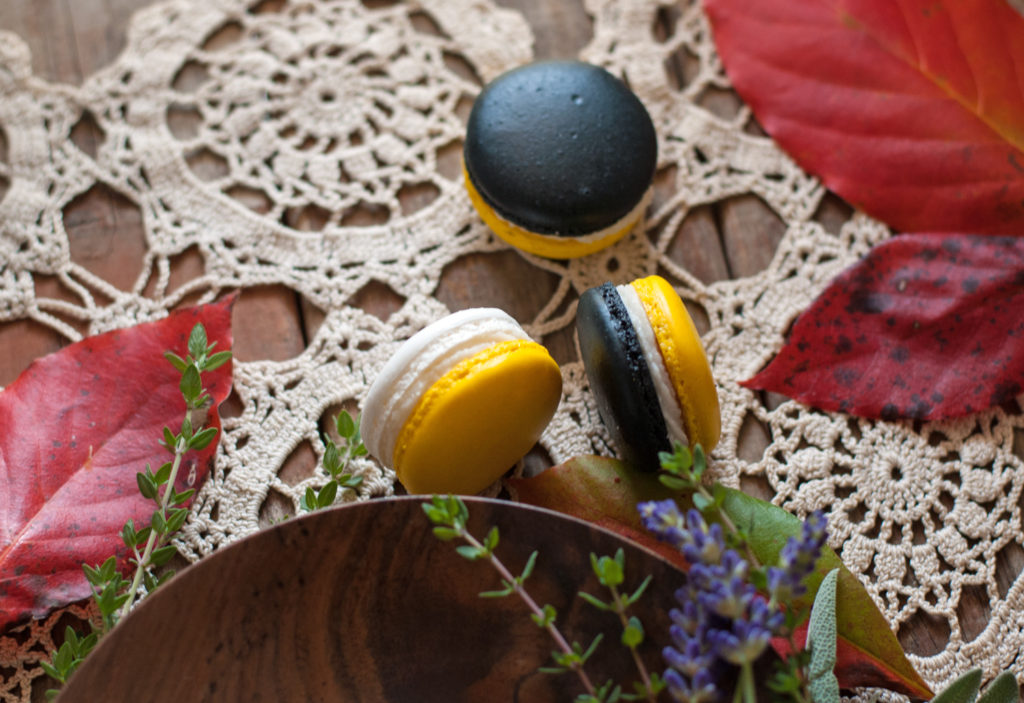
[(925, 326), (912, 110), (75, 428), (605, 492)]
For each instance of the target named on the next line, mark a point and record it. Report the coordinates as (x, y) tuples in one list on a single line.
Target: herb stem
[(731, 527), (553, 631), (620, 608), (180, 447)]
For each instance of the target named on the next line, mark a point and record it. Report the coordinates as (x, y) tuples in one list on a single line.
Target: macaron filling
[(420, 362), (668, 400), (554, 246), (684, 358)]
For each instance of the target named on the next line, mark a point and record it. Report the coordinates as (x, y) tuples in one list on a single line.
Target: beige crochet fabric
[(338, 105)]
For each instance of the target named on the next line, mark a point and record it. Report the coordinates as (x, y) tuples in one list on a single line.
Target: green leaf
[(1003, 689), (53, 673), (821, 630), (528, 569), (164, 472), (435, 514), (609, 572), (176, 519), (547, 616), (190, 385), (592, 648), (202, 439), (508, 590), (176, 360), (128, 535), (308, 501), (147, 486), (674, 483), (594, 601), (445, 534), (491, 540), (350, 481), (821, 640), (470, 552), (182, 498), (963, 690), (605, 492), (345, 425), (332, 458), (197, 341), (327, 494), (161, 556), (159, 522), (639, 591), (169, 439), (702, 502), (633, 633), (215, 361)]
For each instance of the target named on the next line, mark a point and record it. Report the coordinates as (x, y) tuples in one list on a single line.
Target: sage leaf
[(1003, 689), (963, 690)]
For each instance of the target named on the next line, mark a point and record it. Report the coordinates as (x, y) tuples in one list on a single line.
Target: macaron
[(460, 402), (559, 158), (647, 369)]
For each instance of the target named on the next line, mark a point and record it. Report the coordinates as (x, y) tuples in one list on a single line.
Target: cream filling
[(671, 409), (615, 227), (419, 363)]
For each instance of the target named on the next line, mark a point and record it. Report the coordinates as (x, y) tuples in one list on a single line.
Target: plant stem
[(553, 631), (645, 678), (179, 451), (731, 526)]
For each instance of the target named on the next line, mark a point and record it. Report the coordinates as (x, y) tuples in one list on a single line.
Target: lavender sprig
[(721, 620)]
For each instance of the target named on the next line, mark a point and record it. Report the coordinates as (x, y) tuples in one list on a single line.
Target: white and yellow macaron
[(460, 402)]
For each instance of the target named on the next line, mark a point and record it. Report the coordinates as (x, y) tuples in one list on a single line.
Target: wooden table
[(70, 39)]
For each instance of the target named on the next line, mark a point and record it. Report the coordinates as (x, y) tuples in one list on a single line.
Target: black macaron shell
[(560, 147), (619, 378)]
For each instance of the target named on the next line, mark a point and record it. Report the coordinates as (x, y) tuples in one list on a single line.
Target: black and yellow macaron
[(647, 369), (559, 158)]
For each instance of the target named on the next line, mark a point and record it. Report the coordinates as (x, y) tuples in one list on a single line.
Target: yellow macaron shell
[(684, 358), (478, 419), (548, 246)]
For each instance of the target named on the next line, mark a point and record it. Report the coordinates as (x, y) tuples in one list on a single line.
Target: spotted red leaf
[(926, 326), (75, 428), (912, 110)]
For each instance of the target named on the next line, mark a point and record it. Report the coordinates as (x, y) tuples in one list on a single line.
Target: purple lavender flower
[(797, 560), (699, 689), (721, 619)]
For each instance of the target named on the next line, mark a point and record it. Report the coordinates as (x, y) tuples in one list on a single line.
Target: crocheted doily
[(336, 106)]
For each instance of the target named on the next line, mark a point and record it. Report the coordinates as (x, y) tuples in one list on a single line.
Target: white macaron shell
[(671, 409), (420, 362)]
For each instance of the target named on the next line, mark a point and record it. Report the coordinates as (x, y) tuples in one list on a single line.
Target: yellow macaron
[(460, 402)]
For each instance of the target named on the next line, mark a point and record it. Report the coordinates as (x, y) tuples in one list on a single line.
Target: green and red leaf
[(603, 491), (912, 110), (925, 326), (77, 426)]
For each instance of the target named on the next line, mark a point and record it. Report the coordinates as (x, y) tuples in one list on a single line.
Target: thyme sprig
[(149, 548), (450, 516), (335, 463)]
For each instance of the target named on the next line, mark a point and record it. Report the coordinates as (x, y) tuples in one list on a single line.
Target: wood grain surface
[(363, 603), (70, 39)]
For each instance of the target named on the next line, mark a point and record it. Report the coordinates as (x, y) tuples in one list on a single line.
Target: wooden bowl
[(363, 603)]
